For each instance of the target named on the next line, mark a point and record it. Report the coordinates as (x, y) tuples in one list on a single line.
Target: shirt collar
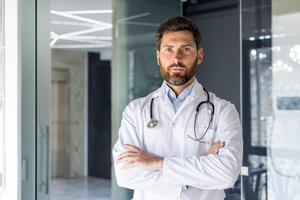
[(196, 90), (185, 93)]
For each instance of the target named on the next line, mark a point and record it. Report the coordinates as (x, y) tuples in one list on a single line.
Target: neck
[(178, 89)]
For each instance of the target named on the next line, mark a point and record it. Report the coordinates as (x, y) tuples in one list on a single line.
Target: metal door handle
[(47, 158), (44, 164)]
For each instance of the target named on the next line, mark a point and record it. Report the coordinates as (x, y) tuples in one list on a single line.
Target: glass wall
[(134, 69), (271, 98)]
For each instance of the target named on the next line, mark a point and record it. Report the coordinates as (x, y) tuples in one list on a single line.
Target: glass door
[(35, 103), (271, 98), (134, 69)]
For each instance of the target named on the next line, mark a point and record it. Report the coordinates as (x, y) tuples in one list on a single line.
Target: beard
[(178, 79)]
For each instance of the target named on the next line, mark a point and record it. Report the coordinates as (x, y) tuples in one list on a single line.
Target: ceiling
[(81, 24)]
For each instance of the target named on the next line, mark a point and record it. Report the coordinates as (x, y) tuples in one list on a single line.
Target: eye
[(186, 49), (168, 49)]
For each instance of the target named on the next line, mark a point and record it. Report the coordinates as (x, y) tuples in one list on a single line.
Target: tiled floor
[(80, 189)]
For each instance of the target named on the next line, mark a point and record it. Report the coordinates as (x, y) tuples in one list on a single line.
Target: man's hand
[(214, 149), (135, 157)]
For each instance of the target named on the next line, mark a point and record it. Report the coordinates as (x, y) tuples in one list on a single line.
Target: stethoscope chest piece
[(152, 123)]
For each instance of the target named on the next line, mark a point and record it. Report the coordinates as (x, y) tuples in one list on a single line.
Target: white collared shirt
[(177, 101), (185, 162)]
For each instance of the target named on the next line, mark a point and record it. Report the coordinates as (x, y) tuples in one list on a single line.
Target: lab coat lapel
[(165, 104)]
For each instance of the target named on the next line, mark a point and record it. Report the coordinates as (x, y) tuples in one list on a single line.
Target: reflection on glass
[(136, 48), (284, 131), (271, 54), (261, 94), (135, 72)]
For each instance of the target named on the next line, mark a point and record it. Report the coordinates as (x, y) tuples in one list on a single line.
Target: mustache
[(176, 65)]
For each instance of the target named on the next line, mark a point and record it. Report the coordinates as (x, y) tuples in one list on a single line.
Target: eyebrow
[(185, 45)]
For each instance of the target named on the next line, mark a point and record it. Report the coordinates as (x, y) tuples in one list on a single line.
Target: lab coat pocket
[(200, 142)]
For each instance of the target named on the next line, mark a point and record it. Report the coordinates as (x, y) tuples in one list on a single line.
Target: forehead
[(183, 37)]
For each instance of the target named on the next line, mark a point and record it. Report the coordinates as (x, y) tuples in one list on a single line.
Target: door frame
[(35, 102)]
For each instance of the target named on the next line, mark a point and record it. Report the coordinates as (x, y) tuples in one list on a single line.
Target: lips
[(176, 69)]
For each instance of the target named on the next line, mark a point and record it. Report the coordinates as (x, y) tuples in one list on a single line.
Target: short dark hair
[(177, 23)]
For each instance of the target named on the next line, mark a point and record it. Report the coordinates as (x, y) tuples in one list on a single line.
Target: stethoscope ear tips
[(152, 123)]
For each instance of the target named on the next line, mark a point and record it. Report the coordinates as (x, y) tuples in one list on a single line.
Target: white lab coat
[(184, 161)]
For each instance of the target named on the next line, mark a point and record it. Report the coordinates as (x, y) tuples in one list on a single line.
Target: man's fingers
[(215, 146), (131, 147), (127, 157), (126, 154), (128, 165), (214, 149)]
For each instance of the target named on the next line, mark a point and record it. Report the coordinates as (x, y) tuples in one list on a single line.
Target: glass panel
[(261, 93), (271, 98), (136, 26), (1, 95), (284, 132), (134, 68)]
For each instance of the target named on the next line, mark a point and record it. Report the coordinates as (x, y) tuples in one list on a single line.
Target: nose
[(177, 61), (177, 58)]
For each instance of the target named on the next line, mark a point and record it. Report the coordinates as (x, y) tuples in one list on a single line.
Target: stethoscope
[(153, 122)]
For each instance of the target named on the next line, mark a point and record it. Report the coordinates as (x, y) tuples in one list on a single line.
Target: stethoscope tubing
[(153, 122)]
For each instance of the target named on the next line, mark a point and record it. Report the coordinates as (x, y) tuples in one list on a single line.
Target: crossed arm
[(140, 170), (135, 157)]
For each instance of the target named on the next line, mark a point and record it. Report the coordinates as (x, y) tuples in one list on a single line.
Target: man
[(179, 142)]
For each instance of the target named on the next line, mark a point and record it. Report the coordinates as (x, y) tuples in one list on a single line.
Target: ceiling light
[(82, 12), (79, 46), (84, 19)]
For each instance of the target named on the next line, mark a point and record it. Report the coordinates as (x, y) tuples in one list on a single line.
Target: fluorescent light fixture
[(83, 12), (140, 23), (267, 36), (106, 38), (53, 42), (67, 23), (86, 40), (79, 18), (80, 46), (54, 36), (84, 37), (253, 52), (92, 30), (134, 17), (79, 36)]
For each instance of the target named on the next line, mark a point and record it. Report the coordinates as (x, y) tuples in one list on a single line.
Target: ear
[(200, 55), (157, 57)]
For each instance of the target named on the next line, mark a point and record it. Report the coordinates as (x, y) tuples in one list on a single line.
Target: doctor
[(180, 142)]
